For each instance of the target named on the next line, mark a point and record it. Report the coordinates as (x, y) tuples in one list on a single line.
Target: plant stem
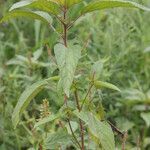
[(123, 134), (74, 134), (124, 140), (91, 85), (65, 101), (115, 129), (65, 27), (40, 147), (89, 90), (80, 121)]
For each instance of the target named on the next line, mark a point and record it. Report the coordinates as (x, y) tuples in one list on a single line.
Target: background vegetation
[(118, 40)]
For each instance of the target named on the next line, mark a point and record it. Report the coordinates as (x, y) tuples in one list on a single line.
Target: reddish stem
[(80, 121)]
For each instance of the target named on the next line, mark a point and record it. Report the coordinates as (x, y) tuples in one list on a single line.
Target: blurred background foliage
[(118, 41)]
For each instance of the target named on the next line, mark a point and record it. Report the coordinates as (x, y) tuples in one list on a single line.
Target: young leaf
[(43, 5), (46, 120), (99, 129), (39, 15), (100, 84), (97, 69), (72, 2), (99, 5), (26, 97), (67, 59), (67, 3)]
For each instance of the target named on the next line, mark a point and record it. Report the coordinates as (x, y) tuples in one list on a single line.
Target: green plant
[(67, 54)]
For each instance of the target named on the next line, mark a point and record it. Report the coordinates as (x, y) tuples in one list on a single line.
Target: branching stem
[(65, 27)]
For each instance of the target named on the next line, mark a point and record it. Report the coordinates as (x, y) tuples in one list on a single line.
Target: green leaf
[(99, 5), (27, 96), (101, 130), (72, 2), (43, 5), (146, 118), (39, 15), (74, 126), (21, 4), (97, 69), (100, 84), (46, 120), (54, 140), (67, 59), (67, 3)]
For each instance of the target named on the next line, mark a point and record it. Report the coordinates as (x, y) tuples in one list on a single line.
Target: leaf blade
[(46, 120), (21, 4), (54, 140), (26, 97), (99, 129), (43, 5), (73, 2), (67, 59), (39, 15), (101, 84), (146, 118), (100, 5)]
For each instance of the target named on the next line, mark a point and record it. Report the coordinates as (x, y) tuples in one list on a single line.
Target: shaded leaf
[(97, 69), (146, 118), (124, 124), (54, 140)]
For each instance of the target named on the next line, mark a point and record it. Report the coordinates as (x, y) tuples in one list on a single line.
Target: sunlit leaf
[(74, 126), (100, 84), (39, 15), (99, 129), (43, 5), (99, 5), (21, 4), (27, 96), (46, 120), (67, 59), (67, 3), (72, 2)]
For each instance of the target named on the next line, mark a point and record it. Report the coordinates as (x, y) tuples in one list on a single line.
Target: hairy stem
[(74, 134), (80, 121), (91, 85), (65, 27)]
